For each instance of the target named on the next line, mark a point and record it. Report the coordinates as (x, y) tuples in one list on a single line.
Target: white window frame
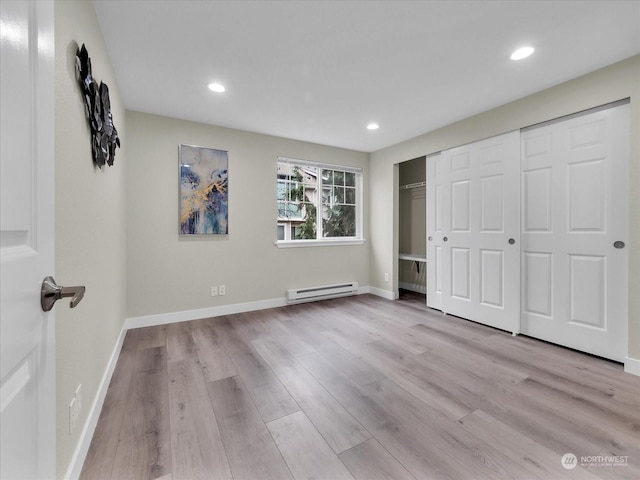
[(357, 239)]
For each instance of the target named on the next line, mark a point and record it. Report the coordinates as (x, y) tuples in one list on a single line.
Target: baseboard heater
[(313, 294)]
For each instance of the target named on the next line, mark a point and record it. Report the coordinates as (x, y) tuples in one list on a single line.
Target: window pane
[(338, 178), (327, 177), (326, 195), (280, 232), (282, 191), (350, 196), (350, 179), (295, 210), (339, 194), (339, 221), (310, 175), (307, 229)]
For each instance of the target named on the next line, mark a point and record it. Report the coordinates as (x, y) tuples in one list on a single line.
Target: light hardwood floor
[(361, 388)]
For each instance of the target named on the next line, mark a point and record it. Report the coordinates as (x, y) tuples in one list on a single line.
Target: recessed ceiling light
[(373, 126), (216, 87), (521, 53)]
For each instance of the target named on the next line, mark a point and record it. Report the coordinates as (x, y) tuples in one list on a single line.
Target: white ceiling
[(320, 71)]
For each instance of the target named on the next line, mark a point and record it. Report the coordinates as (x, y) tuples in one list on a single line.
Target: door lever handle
[(51, 292)]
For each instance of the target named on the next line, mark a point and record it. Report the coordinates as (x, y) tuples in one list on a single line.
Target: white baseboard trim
[(364, 290), (632, 365), (413, 287), (388, 294), (174, 317), (82, 448)]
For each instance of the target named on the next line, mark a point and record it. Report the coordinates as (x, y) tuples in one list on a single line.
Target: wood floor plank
[(269, 395), (100, 457), (400, 336), (612, 429), (250, 448), (609, 376), (282, 335), (352, 396), (360, 372), (458, 453), (535, 417), (337, 426), (370, 306), (196, 446), (467, 359), (403, 441), (151, 337), (145, 432), (626, 399), (137, 458), (390, 362), (247, 327), (408, 441), (370, 461), (535, 457), (215, 362), (304, 449), (625, 468), (180, 343)]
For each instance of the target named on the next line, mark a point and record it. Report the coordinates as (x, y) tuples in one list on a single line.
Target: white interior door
[(475, 230), (27, 366), (435, 177), (575, 206)]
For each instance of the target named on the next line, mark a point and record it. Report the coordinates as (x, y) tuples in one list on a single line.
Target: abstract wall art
[(204, 194)]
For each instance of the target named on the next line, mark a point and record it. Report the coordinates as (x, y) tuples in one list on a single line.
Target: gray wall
[(169, 273), (618, 81), (90, 225)]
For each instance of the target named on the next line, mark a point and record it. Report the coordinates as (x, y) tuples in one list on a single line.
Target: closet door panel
[(575, 208), (436, 173), (537, 282), (460, 272), (480, 231), (492, 278), (492, 219)]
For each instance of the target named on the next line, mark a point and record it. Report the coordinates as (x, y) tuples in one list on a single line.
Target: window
[(318, 203)]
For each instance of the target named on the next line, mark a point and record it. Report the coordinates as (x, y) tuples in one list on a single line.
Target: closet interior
[(412, 248)]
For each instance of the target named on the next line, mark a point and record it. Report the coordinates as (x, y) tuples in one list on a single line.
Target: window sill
[(319, 243)]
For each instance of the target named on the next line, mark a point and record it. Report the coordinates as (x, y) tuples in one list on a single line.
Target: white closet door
[(435, 188), (475, 233), (574, 208)]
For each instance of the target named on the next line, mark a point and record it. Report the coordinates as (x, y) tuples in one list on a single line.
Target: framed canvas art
[(204, 194)]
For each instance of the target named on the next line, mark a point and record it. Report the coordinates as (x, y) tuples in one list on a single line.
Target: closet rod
[(413, 185)]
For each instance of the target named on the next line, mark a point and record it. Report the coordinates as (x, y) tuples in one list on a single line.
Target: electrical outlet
[(214, 291), (386, 277), (222, 290)]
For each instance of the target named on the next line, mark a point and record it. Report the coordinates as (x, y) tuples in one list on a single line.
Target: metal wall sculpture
[(104, 136)]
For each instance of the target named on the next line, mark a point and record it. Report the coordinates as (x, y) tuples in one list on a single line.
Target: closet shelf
[(413, 257)]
